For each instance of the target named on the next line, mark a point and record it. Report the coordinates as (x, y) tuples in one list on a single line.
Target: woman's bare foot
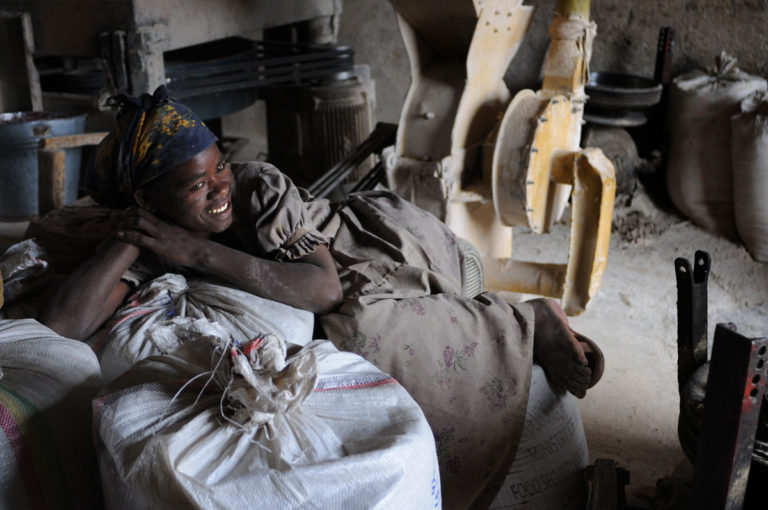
[(557, 349)]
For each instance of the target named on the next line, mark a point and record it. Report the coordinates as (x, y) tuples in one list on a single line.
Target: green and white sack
[(749, 154), (699, 177), (220, 425)]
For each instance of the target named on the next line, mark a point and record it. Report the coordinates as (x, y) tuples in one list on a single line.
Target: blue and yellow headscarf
[(153, 134)]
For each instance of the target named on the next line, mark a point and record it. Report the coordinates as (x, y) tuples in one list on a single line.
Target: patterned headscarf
[(153, 134)]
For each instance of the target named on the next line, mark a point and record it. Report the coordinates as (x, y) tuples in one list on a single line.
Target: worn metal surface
[(664, 53), (382, 136), (606, 481), (374, 176), (691, 314), (262, 64), (735, 391), (691, 346)]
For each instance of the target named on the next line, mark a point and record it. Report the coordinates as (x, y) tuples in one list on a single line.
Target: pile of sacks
[(718, 144), (210, 398)]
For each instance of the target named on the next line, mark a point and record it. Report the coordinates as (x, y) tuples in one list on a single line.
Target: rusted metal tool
[(735, 391), (607, 483), (691, 314), (691, 346)]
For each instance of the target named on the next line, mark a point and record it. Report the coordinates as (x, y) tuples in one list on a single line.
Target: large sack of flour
[(47, 382), (749, 154), (548, 470), (225, 424), (699, 177), (126, 338)]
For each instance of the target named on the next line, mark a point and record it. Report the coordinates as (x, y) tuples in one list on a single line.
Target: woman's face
[(196, 194)]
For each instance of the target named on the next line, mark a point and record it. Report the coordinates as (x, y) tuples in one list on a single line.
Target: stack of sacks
[(127, 337), (47, 383), (223, 421), (699, 176)]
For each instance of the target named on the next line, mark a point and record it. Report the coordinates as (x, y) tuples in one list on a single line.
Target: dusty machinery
[(723, 422), (485, 162)]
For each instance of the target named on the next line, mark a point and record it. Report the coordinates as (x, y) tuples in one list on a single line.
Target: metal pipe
[(567, 7)]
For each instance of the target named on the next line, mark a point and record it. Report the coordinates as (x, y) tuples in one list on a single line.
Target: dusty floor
[(631, 415)]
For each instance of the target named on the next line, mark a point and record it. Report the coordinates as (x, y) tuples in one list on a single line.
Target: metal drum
[(20, 133)]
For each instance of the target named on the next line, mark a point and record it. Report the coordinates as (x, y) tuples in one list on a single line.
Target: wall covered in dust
[(626, 40)]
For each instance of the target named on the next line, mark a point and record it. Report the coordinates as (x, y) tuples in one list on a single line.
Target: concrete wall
[(626, 40)]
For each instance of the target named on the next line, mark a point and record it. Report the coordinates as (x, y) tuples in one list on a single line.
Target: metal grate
[(473, 269)]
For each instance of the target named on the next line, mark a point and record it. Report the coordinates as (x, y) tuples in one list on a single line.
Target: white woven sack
[(330, 431), (699, 177), (47, 382), (548, 470), (749, 154), (125, 340)]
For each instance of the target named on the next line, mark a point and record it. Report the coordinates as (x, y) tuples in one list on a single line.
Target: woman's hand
[(168, 241)]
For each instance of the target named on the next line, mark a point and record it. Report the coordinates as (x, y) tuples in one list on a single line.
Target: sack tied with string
[(224, 423), (126, 338)]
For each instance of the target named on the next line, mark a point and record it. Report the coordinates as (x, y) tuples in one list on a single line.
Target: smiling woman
[(196, 194), (162, 165), (386, 279)]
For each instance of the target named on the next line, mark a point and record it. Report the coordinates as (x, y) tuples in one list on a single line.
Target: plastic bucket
[(20, 133)]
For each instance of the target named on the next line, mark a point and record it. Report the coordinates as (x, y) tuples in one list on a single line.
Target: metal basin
[(20, 133), (617, 91)]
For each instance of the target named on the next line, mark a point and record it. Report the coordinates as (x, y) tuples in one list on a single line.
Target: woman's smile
[(196, 194), (220, 210)]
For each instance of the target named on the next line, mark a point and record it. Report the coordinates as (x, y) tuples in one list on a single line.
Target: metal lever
[(382, 136), (691, 314)]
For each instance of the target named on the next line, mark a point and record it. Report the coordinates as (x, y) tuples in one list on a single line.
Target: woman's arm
[(310, 283), (92, 293)]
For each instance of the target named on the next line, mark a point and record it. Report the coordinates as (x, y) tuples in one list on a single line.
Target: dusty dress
[(467, 362)]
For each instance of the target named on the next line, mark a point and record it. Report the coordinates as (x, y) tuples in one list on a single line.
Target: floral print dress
[(466, 361)]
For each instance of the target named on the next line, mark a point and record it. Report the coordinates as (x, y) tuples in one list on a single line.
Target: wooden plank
[(19, 80), (51, 184), (67, 141)]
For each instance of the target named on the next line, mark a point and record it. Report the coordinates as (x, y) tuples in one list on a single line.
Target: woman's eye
[(196, 187), (222, 166)]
